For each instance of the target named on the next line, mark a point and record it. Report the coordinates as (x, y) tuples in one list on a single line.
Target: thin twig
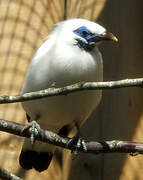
[(4, 174), (82, 86), (115, 146)]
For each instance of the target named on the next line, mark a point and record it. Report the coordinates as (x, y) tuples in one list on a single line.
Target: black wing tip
[(40, 161)]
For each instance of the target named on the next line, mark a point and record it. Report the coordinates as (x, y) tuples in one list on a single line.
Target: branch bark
[(4, 174), (81, 86), (114, 146)]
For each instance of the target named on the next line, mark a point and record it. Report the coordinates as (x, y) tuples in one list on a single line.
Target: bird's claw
[(78, 143), (34, 128)]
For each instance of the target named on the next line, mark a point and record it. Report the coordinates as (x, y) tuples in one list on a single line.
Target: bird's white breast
[(63, 66)]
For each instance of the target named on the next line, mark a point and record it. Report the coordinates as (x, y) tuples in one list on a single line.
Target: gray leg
[(34, 128), (77, 141)]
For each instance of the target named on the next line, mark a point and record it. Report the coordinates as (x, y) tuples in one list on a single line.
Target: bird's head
[(83, 33)]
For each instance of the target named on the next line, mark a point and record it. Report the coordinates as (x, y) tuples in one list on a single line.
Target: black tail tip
[(40, 161)]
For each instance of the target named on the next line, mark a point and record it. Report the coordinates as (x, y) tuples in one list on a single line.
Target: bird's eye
[(84, 33)]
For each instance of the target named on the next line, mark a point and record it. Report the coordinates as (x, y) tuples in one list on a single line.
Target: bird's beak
[(110, 36)]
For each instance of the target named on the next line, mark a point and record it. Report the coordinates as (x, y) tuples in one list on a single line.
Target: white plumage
[(68, 56)]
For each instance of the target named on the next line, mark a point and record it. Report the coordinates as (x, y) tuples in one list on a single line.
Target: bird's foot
[(34, 128), (78, 144)]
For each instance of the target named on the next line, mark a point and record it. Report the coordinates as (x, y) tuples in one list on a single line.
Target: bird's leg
[(77, 141), (34, 128)]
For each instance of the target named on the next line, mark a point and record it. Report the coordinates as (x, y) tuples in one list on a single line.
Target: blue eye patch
[(83, 32), (87, 34), (91, 38)]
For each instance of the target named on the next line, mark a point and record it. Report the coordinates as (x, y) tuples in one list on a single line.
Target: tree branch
[(4, 174), (115, 146), (82, 86), (49, 137)]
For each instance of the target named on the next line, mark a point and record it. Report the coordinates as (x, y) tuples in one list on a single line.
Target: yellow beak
[(110, 36)]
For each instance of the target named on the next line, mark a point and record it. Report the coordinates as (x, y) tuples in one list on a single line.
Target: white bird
[(69, 55)]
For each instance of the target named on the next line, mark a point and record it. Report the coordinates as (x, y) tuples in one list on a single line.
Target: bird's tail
[(36, 157), (38, 160)]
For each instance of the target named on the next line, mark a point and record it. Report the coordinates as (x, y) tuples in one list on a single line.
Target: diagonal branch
[(115, 146), (4, 174), (82, 86)]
